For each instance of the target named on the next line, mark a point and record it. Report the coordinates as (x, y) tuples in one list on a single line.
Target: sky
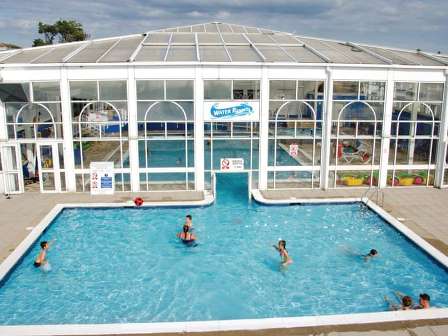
[(408, 24)]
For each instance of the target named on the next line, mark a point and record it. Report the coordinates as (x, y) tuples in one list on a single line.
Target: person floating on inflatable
[(138, 201)]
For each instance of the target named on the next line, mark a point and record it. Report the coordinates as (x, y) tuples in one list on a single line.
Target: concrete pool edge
[(224, 325), (221, 325)]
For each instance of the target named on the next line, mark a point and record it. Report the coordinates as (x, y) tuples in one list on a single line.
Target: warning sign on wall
[(293, 150), (102, 178), (232, 164)]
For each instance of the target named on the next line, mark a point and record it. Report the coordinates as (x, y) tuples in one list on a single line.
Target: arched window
[(164, 120), (357, 117), (35, 120), (414, 142), (295, 133), (165, 114)]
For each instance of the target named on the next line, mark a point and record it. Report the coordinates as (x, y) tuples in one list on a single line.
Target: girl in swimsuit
[(186, 236), (284, 256)]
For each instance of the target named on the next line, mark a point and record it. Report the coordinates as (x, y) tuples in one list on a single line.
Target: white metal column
[(386, 133), (199, 131), (133, 131), (263, 146), (3, 129), (443, 141), (326, 131), (3, 139), (69, 158)]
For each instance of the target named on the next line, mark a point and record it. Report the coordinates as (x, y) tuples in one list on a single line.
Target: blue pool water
[(126, 265)]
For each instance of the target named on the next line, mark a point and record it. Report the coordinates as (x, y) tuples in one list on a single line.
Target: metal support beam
[(139, 47), (432, 57), (314, 51), (386, 132), (264, 131), (133, 130), (326, 131), (443, 140), (254, 47), (370, 52), (108, 50), (168, 47)]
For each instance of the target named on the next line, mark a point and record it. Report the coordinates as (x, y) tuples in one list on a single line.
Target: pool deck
[(424, 210)]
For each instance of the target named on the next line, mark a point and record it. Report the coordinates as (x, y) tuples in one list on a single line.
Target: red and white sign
[(102, 178), (293, 150), (232, 164)]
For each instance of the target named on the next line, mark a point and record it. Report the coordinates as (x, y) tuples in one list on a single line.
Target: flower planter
[(352, 181), (406, 181)]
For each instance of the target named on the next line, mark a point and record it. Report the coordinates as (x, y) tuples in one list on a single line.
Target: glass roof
[(218, 42)]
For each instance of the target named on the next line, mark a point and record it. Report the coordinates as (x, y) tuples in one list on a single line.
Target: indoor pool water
[(126, 265)]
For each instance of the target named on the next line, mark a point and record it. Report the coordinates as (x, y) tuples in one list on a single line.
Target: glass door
[(49, 167), (11, 180)]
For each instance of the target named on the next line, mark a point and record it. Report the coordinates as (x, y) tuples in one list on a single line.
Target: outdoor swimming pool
[(126, 265)]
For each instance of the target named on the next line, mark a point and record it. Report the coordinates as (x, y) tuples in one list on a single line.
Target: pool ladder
[(376, 192)]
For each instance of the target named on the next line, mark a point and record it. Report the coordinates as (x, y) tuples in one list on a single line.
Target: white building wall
[(264, 73)]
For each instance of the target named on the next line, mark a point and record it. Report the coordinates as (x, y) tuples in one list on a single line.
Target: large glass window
[(100, 129), (414, 133), (166, 134), (231, 89), (356, 133), (33, 110), (295, 133)]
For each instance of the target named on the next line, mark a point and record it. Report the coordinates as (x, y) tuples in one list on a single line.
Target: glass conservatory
[(172, 107)]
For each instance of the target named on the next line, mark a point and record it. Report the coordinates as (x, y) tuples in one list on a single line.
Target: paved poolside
[(424, 210)]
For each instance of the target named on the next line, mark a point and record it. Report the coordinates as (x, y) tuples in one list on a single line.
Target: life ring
[(138, 201)]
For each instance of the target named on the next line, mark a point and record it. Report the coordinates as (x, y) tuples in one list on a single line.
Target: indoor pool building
[(172, 107)]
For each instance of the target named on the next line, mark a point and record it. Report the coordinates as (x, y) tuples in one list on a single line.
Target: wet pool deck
[(424, 210)]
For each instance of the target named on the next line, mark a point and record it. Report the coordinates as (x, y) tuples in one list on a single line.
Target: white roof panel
[(216, 40)]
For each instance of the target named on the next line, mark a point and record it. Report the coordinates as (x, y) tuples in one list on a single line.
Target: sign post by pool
[(102, 178)]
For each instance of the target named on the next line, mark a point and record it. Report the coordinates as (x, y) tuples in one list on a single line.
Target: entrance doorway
[(41, 167), (232, 186)]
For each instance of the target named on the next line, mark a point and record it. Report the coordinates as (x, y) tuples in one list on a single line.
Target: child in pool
[(284, 256), (41, 260)]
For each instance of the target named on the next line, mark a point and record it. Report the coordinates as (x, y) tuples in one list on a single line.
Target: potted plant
[(421, 177), (405, 179), (393, 183), (353, 179)]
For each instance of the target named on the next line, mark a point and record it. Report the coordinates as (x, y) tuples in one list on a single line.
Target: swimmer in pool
[(372, 254), (284, 256), (186, 236), (189, 221), (406, 303), (423, 300), (41, 260)]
